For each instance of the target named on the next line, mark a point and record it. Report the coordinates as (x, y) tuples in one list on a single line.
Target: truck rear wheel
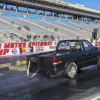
[(71, 70), (98, 63)]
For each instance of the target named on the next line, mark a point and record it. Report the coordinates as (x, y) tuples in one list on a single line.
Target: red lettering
[(20, 45), (29, 44), (97, 43), (24, 44), (7, 45), (16, 45), (45, 43), (33, 43), (12, 45), (40, 44), (0, 46), (36, 43), (5, 51), (1, 51), (50, 43)]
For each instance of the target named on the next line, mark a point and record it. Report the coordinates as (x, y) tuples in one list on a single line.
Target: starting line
[(96, 98), (93, 97)]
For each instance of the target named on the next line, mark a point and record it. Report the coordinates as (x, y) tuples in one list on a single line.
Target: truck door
[(71, 50), (90, 53)]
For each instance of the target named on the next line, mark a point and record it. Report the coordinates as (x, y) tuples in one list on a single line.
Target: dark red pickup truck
[(67, 59)]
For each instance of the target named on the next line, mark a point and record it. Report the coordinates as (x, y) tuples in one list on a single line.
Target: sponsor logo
[(52, 47), (19, 63), (14, 51), (26, 49), (38, 49)]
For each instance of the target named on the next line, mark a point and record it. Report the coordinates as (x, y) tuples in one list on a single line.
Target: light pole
[(98, 4)]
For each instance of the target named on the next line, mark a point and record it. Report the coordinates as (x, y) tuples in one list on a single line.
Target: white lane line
[(23, 70), (96, 98), (1, 74)]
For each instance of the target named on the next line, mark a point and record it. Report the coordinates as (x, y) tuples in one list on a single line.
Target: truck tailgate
[(40, 63)]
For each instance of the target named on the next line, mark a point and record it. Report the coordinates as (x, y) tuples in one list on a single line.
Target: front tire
[(98, 63), (71, 70)]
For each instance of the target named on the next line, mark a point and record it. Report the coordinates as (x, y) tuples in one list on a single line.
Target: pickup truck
[(67, 59)]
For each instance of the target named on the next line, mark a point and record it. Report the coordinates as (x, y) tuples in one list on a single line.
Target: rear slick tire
[(71, 70)]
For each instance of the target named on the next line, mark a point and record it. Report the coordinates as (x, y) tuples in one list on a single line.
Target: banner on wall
[(26, 47), (97, 43)]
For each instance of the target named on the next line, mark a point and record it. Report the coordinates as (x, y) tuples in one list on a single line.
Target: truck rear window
[(68, 45)]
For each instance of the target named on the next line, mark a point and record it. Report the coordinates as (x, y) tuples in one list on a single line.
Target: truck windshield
[(68, 45)]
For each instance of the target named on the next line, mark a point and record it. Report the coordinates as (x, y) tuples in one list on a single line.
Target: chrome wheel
[(71, 70)]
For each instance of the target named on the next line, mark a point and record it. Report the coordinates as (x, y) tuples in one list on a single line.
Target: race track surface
[(15, 85)]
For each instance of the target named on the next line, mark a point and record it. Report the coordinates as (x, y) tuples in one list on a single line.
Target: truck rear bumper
[(53, 71), (49, 71)]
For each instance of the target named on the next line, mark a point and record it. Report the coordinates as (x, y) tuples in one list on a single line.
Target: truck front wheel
[(71, 70), (98, 63)]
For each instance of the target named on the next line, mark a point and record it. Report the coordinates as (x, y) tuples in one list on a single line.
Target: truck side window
[(75, 46), (87, 46)]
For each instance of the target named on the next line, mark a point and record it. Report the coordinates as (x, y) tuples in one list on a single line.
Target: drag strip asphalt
[(14, 85)]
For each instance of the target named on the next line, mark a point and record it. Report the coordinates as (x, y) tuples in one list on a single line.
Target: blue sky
[(87, 3), (94, 4)]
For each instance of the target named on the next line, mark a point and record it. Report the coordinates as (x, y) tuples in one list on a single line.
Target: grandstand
[(46, 17)]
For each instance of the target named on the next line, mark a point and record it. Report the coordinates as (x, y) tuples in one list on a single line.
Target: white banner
[(26, 47)]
